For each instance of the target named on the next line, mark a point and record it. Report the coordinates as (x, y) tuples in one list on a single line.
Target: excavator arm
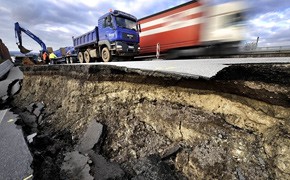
[(18, 36)]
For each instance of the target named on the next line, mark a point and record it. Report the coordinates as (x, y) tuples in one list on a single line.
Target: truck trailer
[(117, 35), (64, 55), (193, 28)]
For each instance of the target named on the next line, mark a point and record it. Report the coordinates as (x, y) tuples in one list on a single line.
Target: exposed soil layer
[(4, 52), (233, 126)]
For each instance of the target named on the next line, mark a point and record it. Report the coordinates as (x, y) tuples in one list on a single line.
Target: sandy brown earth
[(233, 126)]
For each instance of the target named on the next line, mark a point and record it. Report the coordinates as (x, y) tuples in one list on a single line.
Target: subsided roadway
[(15, 156), (218, 120), (10, 80)]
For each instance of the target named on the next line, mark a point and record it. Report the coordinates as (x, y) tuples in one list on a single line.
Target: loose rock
[(91, 137), (75, 166)]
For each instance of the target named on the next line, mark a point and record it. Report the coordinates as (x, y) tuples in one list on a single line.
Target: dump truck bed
[(87, 38)]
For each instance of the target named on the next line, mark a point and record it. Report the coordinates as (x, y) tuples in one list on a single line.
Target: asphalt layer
[(204, 68), (229, 79), (15, 156)]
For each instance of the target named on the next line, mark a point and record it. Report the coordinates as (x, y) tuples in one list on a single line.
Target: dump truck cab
[(117, 35), (119, 32)]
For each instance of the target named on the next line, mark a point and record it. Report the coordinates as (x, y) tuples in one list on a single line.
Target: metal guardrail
[(270, 49), (273, 48)]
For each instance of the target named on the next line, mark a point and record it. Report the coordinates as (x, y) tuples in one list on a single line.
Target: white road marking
[(28, 177), (2, 114)]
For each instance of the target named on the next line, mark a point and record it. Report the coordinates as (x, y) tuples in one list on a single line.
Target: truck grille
[(128, 36)]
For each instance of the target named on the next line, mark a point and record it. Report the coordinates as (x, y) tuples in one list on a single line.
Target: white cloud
[(54, 29), (272, 19), (4, 10), (273, 28)]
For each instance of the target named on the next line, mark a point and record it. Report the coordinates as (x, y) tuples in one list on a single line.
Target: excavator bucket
[(23, 50)]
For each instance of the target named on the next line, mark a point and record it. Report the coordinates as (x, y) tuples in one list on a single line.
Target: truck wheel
[(87, 56), (81, 57), (66, 60), (106, 55)]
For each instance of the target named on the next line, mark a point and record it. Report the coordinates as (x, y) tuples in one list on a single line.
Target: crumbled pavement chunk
[(91, 137), (75, 166), (103, 169)]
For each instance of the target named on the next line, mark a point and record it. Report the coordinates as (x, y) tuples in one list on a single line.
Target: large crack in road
[(159, 125)]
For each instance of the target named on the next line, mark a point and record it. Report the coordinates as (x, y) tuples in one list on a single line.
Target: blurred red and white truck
[(194, 28)]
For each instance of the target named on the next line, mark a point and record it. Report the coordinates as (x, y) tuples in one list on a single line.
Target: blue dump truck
[(116, 36)]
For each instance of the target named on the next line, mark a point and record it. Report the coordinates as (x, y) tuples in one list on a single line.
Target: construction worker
[(45, 57), (51, 57)]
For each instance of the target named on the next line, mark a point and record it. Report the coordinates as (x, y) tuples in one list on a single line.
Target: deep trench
[(164, 126)]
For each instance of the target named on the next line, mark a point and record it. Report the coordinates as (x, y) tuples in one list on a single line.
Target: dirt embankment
[(4, 52), (234, 126)]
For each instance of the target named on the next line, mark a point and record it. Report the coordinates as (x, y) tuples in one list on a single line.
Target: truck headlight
[(119, 47)]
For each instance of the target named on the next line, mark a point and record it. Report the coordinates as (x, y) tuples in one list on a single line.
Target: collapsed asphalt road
[(14, 153), (154, 125), (15, 156), (10, 81)]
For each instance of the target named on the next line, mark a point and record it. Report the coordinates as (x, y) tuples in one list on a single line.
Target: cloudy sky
[(56, 21)]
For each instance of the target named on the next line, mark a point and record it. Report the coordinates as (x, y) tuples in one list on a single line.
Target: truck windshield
[(126, 23)]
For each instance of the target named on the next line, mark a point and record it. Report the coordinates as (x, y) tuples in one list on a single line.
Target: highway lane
[(205, 68), (15, 156)]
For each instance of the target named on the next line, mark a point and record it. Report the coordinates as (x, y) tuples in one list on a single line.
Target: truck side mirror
[(110, 24), (109, 19)]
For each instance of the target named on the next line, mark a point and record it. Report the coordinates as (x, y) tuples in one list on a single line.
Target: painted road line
[(2, 114), (28, 177), (10, 120)]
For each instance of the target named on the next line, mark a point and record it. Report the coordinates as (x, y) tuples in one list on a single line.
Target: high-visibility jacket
[(44, 56), (52, 56)]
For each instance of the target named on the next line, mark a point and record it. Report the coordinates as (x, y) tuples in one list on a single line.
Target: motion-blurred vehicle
[(194, 29), (117, 35)]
